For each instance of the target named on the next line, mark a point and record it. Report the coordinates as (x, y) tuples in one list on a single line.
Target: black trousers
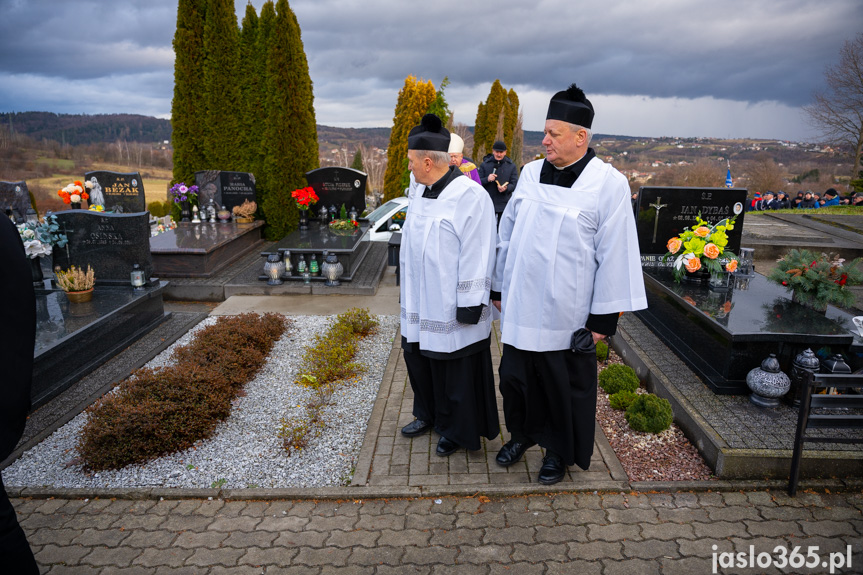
[(15, 553), (457, 395), (550, 398)]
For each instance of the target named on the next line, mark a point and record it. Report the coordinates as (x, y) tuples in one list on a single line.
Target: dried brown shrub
[(160, 411)]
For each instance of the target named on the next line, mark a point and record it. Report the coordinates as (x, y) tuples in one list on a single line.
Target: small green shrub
[(617, 377), (327, 360), (160, 411), (622, 399), (601, 351), (649, 413), (359, 320), (160, 209), (329, 357)]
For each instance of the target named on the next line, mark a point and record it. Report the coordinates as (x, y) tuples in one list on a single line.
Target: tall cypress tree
[(221, 86), (291, 141), (479, 150), (488, 119), (266, 25), (187, 108), (357, 163), (250, 91), (415, 98)]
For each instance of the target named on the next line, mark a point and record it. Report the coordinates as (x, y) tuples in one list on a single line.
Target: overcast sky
[(726, 68)]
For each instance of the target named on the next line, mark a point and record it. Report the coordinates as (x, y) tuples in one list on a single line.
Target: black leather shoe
[(446, 447), (416, 427), (552, 469), (512, 452)]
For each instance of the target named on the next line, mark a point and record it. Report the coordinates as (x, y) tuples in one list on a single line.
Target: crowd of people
[(804, 200)]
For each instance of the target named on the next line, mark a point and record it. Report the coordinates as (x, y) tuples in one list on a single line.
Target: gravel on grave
[(245, 451), (666, 456)]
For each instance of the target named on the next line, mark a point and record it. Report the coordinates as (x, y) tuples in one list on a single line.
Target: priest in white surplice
[(567, 265), (447, 257)]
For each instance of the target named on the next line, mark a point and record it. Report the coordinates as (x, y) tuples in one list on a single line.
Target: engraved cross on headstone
[(658, 207)]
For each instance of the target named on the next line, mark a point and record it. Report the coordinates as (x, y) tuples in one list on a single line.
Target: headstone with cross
[(663, 212)]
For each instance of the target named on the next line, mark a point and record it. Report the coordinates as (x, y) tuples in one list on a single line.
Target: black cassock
[(17, 343), (454, 391), (549, 397)]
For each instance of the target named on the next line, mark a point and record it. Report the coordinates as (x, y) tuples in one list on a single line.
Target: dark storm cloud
[(738, 50), (101, 55)]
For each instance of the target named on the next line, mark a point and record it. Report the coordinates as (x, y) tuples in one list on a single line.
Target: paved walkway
[(585, 533), (410, 511), (390, 459)]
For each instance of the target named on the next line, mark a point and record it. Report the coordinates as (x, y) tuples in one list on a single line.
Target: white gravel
[(245, 451)]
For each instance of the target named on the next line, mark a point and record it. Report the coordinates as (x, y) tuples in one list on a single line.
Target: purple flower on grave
[(182, 193)]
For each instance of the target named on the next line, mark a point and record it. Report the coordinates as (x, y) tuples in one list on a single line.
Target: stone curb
[(383, 492)]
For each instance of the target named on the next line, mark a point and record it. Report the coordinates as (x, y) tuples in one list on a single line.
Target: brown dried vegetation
[(164, 410)]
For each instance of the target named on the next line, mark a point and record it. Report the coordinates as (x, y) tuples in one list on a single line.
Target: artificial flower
[(701, 246)]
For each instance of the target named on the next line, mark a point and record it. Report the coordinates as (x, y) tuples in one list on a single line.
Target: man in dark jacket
[(17, 342), (498, 175)]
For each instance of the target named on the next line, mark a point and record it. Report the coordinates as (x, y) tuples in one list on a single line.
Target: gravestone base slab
[(72, 340), (202, 250)]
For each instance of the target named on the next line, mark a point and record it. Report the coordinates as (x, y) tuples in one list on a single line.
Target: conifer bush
[(601, 351), (168, 409), (617, 377), (649, 413), (622, 399)]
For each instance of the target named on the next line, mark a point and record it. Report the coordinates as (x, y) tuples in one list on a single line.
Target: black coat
[(17, 336), (506, 172)]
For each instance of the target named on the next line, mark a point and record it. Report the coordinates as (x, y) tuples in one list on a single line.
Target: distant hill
[(87, 129)]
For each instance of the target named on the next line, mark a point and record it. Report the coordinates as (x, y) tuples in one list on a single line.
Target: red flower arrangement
[(305, 197), (73, 193)]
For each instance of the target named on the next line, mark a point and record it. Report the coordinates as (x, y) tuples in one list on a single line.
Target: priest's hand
[(597, 337), (496, 303)]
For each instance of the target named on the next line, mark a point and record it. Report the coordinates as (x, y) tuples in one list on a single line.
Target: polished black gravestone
[(336, 186), (111, 243), (201, 250), (117, 191), (15, 196), (227, 189), (663, 212), (722, 335), (349, 249), (74, 339)]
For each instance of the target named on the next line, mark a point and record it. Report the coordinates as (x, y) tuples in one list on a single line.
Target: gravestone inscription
[(119, 192), (227, 189), (663, 212), (111, 243), (15, 196), (336, 186)]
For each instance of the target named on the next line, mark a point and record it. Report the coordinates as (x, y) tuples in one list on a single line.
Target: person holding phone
[(499, 176)]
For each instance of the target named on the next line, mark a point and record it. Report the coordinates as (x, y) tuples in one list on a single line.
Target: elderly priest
[(567, 265), (447, 258)]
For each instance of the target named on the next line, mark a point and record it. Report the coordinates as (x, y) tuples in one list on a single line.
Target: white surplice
[(447, 258), (564, 253)]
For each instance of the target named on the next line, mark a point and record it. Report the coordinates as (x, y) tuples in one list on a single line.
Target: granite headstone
[(336, 186), (111, 243), (16, 197), (663, 212), (227, 189), (119, 192)]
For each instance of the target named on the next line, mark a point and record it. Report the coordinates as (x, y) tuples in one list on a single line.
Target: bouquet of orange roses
[(702, 246), (73, 193)]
